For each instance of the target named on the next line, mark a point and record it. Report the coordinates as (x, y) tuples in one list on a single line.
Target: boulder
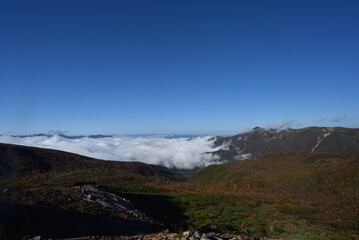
[(204, 237), (186, 233)]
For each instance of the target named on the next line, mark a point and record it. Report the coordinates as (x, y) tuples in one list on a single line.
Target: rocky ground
[(91, 211), (87, 198), (187, 235), (80, 210)]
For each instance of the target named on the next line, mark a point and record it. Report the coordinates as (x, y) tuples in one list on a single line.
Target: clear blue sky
[(127, 67)]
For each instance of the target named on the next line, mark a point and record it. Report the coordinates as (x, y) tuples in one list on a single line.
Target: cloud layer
[(179, 152)]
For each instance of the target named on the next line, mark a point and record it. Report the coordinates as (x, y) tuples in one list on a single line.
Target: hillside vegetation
[(294, 195), (324, 178), (57, 194), (22, 166)]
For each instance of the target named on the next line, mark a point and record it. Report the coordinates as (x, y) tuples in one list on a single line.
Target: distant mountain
[(169, 136), (260, 141), (60, 135)]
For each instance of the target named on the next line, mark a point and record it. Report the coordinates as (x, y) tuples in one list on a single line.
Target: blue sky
[(201, 67)]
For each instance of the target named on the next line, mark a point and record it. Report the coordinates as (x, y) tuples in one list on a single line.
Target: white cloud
[(244, 130), (243, 156), (322, 120), (180, 152), (339, 118), (281, 126)]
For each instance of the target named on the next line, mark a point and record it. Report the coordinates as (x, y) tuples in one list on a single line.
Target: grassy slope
[(320, 177), (321, 189), (23, 167)]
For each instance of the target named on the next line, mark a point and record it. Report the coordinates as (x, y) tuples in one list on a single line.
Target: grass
[(237, 213)]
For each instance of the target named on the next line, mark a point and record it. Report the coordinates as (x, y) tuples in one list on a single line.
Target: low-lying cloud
[(186, 153), (281, 126)]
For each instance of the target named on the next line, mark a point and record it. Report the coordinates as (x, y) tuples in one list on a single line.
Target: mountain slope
[(313, 139), (57, 194), (21, 165), (319, 177), (322, 188)]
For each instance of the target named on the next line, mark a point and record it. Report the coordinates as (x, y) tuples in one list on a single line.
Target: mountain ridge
[(260, 141), (21, 163)]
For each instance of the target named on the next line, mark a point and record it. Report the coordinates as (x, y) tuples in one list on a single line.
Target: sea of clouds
[(177, 152)]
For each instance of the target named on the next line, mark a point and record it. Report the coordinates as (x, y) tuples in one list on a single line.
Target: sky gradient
[(201, 67)]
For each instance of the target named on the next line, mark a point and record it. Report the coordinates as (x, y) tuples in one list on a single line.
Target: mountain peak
[(311, 139)]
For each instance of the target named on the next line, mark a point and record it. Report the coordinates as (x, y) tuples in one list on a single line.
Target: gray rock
[(186, 233), (196, 235), (271, 227)]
